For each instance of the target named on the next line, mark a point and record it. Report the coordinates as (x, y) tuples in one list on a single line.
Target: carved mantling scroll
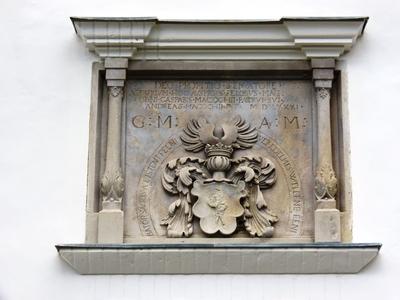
[(219, 189)]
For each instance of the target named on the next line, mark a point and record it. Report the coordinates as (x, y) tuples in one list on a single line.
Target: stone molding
[(327, 227), (285, 39), (112, 186), (217, 258)]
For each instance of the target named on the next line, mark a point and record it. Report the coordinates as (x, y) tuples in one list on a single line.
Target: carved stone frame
[(217, 70), (289, 48)]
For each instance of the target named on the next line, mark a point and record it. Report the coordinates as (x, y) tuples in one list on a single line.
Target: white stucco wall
[(44, 110)]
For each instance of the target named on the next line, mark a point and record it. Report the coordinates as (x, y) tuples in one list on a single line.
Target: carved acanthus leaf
[(258, 219), (178, 178), (325, 182), (179, 174), (186, 176), (243, 172), (260, 173), (263, 168), (179, 218), (112, 185)]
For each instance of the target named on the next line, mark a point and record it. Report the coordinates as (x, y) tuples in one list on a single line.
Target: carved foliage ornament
[(219, 190), (112, 188), (323, 93), (115, 91), (325, 182)]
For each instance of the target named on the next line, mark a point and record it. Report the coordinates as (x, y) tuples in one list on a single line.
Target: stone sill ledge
[(210, 258)]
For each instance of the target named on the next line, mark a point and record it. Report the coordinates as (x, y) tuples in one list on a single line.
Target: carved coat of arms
[(219, 190)]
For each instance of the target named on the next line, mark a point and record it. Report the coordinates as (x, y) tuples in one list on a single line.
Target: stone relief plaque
[(261, 122), (218, 147)]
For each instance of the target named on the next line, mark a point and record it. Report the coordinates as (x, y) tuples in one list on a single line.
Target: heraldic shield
[(219, 190), (218, 205)]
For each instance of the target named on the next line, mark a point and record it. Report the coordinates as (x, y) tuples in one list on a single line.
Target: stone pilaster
[(111, 217), (327, 216)]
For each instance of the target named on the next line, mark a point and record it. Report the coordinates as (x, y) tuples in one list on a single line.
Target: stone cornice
[(153, 39)]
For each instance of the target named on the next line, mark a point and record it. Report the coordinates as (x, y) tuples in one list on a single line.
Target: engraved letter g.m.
[(138, 121)]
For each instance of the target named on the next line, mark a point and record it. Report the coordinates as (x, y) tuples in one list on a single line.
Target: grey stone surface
[(116, 63), (211, 259), (323, 73), (158, 112), (327, 225), (117, 74), (323, 63), (110, 228)]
